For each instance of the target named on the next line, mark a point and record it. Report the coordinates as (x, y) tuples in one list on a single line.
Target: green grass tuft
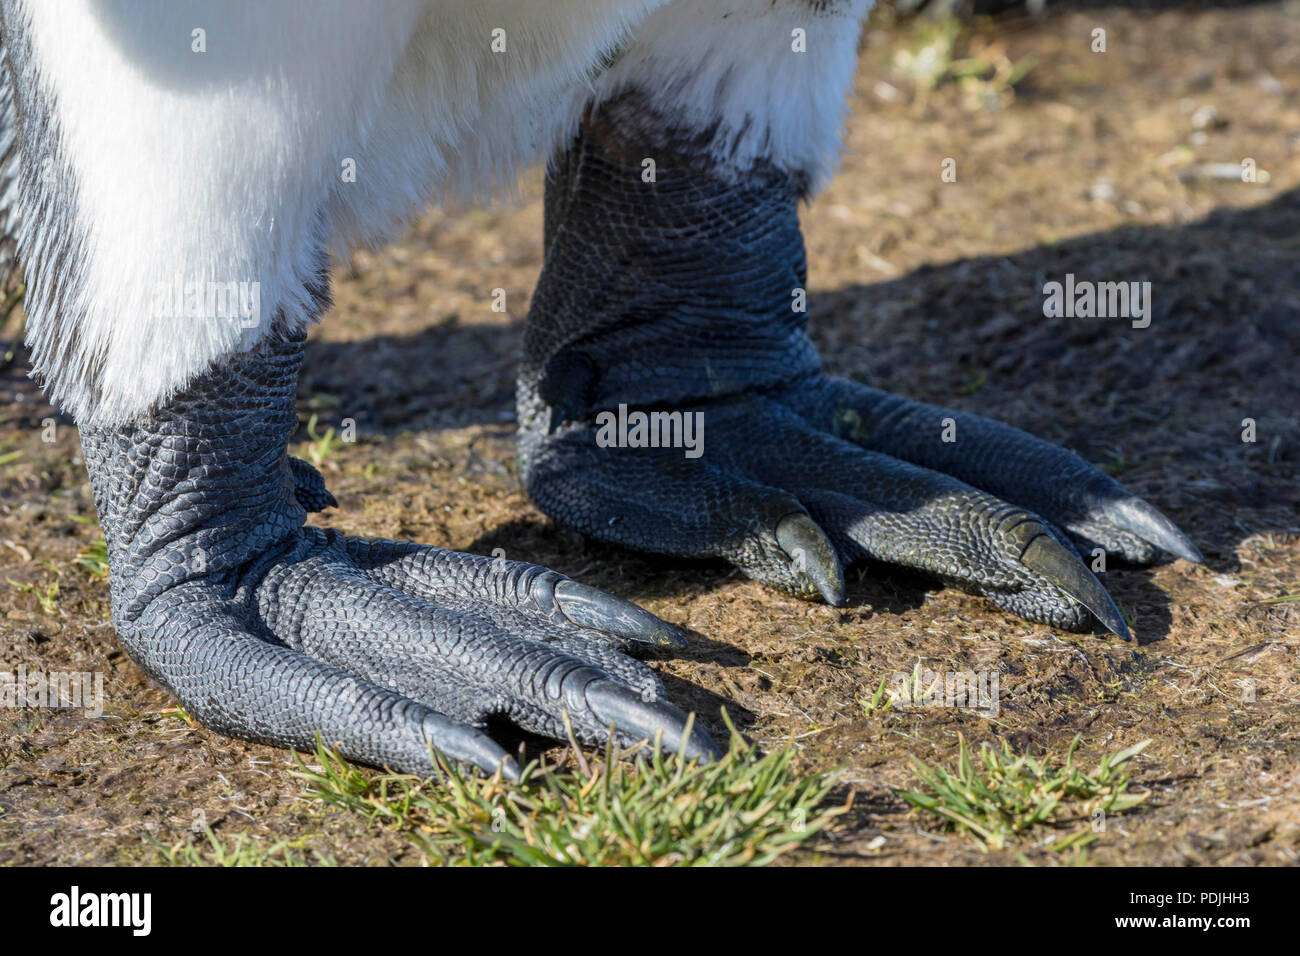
[(1005, 796), (93, 559), (240, 850), (322, 444), (747, 809), (878, 703)]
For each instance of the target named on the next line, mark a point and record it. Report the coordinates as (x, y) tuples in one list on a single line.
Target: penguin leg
[(671, 401)]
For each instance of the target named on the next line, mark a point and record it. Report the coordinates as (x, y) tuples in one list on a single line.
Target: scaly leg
[(272, 631), (674, 293)]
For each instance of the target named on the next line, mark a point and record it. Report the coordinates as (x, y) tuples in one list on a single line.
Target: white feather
[(226, 166), (768, 77)]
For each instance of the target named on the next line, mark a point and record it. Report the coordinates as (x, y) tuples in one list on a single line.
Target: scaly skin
[(275, 632), (677, 294)]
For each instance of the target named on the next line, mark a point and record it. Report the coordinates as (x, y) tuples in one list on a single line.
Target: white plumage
[(227, 166)]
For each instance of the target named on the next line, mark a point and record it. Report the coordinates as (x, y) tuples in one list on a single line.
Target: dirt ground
[(1098, 164)]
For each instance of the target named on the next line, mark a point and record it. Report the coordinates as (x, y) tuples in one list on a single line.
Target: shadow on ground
[(1163, 407)]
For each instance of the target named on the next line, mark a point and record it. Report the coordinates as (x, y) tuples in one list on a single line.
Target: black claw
[(467, 745), (1147, 522), (613, 703), (1046, 556), (812, 555), (589, 607)]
